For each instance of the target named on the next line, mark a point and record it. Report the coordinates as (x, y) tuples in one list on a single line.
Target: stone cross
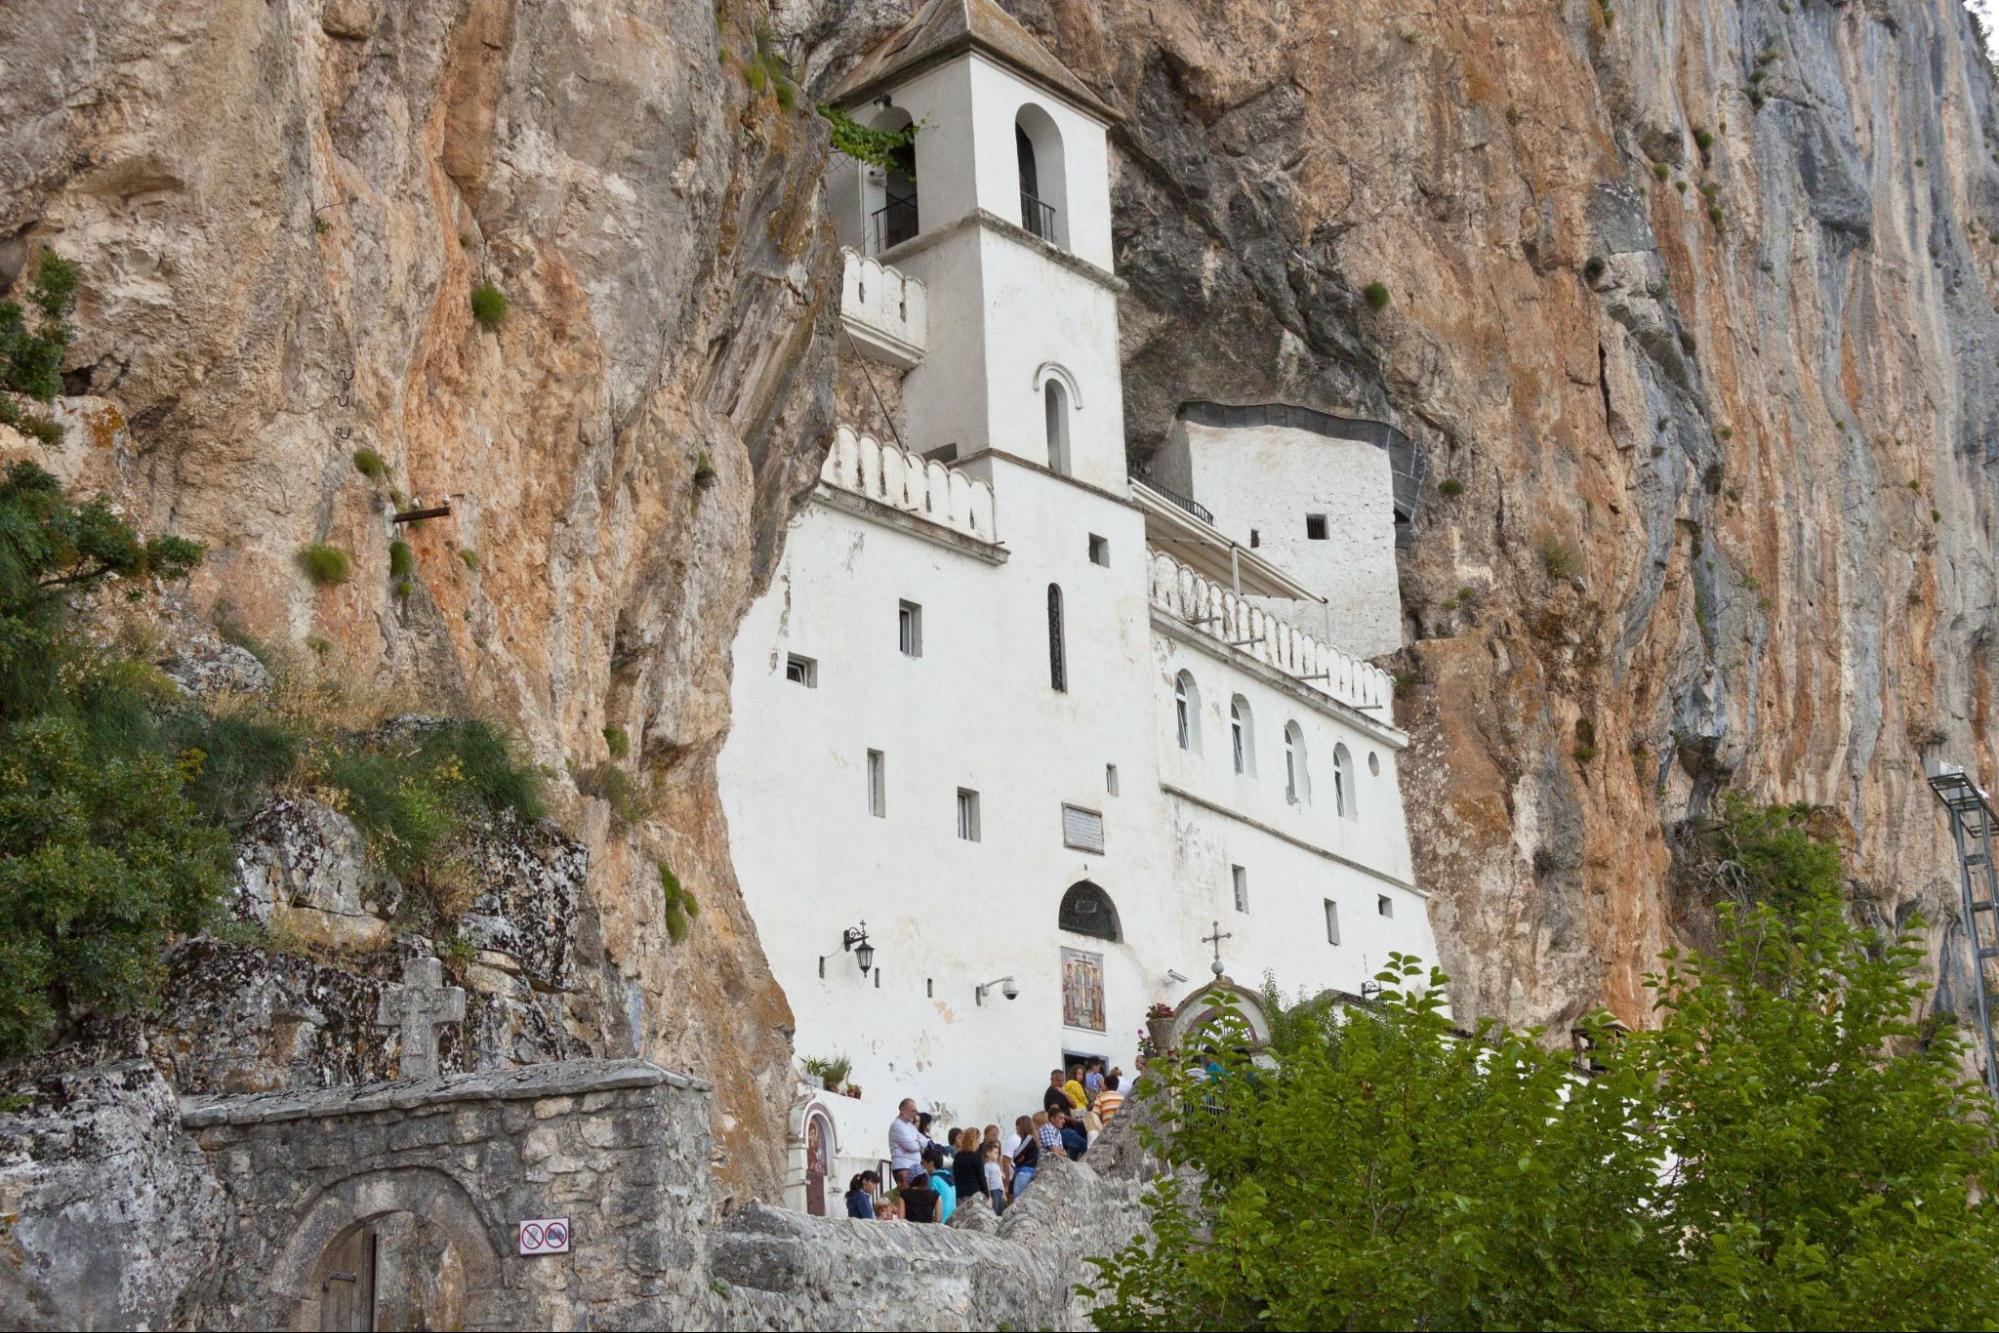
[(419, 1006)]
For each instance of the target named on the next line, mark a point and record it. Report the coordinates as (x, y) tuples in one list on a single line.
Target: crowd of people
[(930, 1177)]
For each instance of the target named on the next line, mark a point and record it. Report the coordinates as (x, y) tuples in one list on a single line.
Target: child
[(995, 1181)]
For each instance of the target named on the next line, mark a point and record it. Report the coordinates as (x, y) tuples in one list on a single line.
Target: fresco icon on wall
[(1083, 990)]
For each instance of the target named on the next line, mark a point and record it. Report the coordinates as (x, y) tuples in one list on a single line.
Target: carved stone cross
[(419, 1006)]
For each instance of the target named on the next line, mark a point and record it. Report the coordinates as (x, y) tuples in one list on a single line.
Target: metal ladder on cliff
[(1972, 823)]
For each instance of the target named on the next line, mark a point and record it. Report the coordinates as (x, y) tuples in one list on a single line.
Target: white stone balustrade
[(1218, 613), (886, 311), (866, 466)]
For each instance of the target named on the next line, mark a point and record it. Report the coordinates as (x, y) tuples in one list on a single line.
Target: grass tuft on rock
[(326, 566), (489, 305)]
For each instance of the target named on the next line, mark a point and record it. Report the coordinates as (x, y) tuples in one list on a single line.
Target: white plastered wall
[(1267, 479)]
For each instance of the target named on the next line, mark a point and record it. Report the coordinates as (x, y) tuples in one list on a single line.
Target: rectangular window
[(968, 814), (1332, 922), (1100, 550), (1255, 539), (909, 628), (1082, 829), (802, 671), (1315, 527), (1384, 904), (877, 785), (1110, 779), (1241, 878)]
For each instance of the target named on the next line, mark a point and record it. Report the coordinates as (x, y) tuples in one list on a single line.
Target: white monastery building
[(1017, 734)]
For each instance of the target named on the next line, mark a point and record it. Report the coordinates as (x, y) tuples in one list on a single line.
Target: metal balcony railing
[(1186, 502), (1037, 217), (892, 224)]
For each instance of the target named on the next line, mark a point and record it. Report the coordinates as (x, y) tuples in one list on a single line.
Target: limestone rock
[(302, 867), (109, 1214)]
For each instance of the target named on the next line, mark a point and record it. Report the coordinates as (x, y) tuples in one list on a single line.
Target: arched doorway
[(400, 1248), (818, 1160), (1220, 1001)]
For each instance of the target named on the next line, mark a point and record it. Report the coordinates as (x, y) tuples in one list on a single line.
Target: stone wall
[(619, 1148)]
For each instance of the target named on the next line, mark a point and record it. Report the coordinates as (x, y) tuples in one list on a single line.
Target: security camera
[(1007, 987), (1010, 989)]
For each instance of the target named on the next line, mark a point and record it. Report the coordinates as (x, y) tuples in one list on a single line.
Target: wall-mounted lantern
[(855, 940)]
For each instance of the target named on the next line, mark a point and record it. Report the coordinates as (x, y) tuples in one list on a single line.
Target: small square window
[(968, 814), (1100, 550), (1241, 878), (1384, 904), (909, 628), (1332, 922), (802, 671), (1315, 527), (1110, 779), (877, 785)]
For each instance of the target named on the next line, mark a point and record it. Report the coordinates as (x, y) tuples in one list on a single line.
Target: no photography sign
[(545, 1235)]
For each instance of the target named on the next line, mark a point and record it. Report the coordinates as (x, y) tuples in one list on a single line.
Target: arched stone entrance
[(1206, 1005), (398, 1248)]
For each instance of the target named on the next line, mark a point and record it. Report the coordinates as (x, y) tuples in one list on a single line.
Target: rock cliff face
[(1690, 305), (1709, 497), (281, 211)]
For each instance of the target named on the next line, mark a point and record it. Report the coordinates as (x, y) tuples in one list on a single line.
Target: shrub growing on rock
[(370, 464), (489, 305), (326, 566), (1376, 295)]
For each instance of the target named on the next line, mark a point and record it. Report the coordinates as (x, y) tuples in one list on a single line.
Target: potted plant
[(1159, 1026), (824, 1072), (854, 1091)]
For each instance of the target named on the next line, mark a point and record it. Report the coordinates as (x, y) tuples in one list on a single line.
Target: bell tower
[(1003, 211)]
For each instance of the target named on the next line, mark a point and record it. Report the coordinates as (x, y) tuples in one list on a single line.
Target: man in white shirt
[(905, 1145)]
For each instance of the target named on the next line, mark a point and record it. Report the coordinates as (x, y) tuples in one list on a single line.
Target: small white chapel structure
[(1018, 735)]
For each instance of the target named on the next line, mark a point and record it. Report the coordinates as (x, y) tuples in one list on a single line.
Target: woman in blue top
[(861, 1195)]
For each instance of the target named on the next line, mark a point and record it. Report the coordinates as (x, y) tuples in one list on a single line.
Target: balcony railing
[(1186, 502), (891, 224), (1037, 217)]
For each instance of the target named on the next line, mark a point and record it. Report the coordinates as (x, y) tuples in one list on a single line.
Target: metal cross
[(1216, 940), (419, 1007)]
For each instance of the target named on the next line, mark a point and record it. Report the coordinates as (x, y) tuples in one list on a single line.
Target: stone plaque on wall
[(1083, 990)]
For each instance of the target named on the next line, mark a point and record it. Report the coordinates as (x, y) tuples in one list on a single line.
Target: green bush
[(1661, 170), (402, 561), (1559, 559), (489, 305), (617, 741), (1704, 139), (630, 798), (1450, 486), (471, 559), (370, 464), (679, 904), (31, 354), (326, 566), (1376, 295)]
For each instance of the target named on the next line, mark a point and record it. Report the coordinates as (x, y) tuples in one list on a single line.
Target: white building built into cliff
[(1032, 726)]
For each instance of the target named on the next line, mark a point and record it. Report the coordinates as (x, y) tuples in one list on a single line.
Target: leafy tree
[(102, 855), (1788, 1149)]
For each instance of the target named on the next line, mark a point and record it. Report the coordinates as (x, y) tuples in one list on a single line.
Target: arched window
[(1242, 736), (1055, 410), (890, 193), (1343, 783), (1187, 712), (1087, 910), (1297, 780), (1058, 665), (1037, 146)]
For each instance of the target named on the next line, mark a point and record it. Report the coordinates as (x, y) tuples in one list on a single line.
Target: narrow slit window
[(1240, 879), (1100, 550), (1384, 905), (1332, 922), (877, 785), (1110, 779), (968, 815), (909, 628), (802, 671), (1058, 665)]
